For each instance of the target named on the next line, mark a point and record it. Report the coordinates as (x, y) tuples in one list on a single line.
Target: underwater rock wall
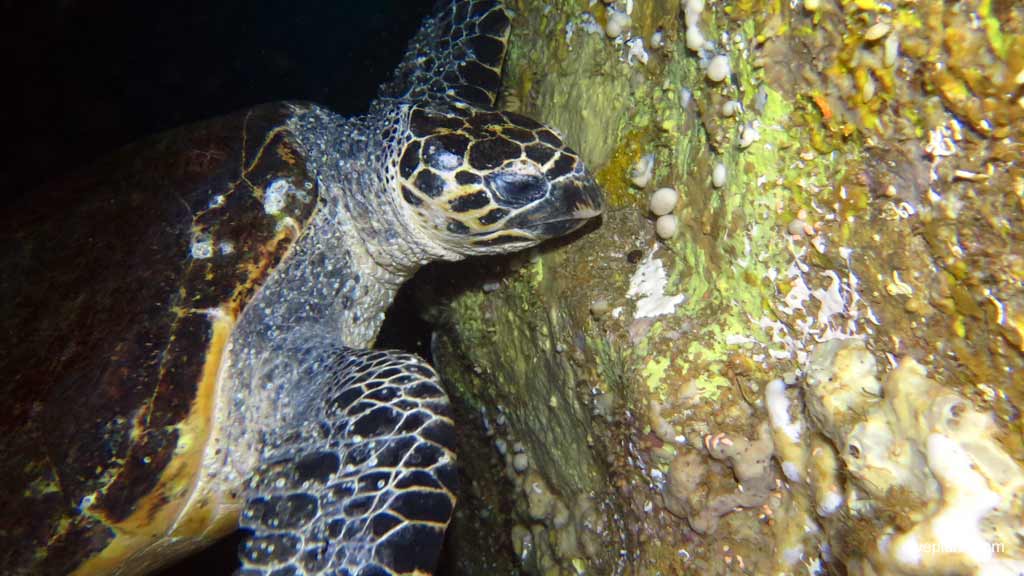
[(807, 359)]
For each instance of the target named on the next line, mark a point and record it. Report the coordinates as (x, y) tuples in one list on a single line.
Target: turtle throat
[(351, 157)]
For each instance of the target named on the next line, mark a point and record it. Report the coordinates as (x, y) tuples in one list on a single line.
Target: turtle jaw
[(571, 203)]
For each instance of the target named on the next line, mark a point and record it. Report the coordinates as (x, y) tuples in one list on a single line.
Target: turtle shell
[(120, 288)]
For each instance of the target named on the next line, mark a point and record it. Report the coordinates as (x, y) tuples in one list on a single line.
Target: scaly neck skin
[(355, 159), (353, 254), (333, 288)]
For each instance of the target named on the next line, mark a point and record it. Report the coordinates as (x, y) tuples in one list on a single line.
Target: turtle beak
[(585, 196), (570, 203)]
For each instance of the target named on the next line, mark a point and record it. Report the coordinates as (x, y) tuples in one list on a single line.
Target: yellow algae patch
[(654, 372), (171, 520), (613, 176), (711, 385)]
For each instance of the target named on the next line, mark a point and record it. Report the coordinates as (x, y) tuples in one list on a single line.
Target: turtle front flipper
[(366, 487), (457, 53)]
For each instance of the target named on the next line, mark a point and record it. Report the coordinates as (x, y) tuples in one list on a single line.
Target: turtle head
[(486, 182)]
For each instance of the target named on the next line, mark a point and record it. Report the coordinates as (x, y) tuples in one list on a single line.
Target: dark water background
[(82, 78), (85, 77)]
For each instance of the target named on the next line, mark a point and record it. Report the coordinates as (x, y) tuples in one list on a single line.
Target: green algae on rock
[(882, 200)]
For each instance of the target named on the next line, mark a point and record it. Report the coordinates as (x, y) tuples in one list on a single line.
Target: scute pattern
[(373, 494), (115, 281), (456, 54), (481, 167)]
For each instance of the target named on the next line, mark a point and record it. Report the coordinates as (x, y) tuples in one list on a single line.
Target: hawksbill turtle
[(187, 325)]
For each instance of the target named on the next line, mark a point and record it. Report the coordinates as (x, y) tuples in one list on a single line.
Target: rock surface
[(880, 202)]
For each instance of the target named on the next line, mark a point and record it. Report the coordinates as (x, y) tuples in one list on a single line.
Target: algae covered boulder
[(819, 368)]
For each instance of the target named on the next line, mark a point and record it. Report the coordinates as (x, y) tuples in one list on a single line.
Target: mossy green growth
[(826, 146), (537, 272), (574, 87), (711, 386), (511, 336), (991, 23), (735, 237), (654, 372)]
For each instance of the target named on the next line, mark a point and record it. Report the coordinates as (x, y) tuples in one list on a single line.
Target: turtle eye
[(515, 190)]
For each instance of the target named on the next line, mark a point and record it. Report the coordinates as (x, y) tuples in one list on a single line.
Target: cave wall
[(658, 405)]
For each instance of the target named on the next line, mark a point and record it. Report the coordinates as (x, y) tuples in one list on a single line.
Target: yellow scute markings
[(162, 528)]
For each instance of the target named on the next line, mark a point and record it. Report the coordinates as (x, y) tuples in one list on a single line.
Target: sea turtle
[(186, 326)]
